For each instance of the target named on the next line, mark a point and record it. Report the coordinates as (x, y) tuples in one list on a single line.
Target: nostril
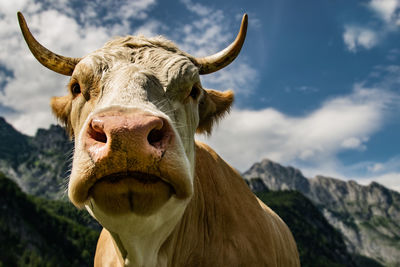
[(97, 133), (155, 137)]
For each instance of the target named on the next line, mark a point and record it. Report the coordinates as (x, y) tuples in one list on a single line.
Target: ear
[(213, 106), (61, 107)]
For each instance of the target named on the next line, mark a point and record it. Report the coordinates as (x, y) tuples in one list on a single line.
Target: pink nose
[(132, 135)]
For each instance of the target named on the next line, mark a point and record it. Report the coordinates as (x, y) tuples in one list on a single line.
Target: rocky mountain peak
[(7, 129), (367, 216), (276, 176), (54, 138), (38, 164), (13, 144)]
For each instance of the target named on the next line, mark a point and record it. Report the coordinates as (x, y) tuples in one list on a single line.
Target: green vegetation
[(319, 244), (38, 232), (363, 261), (375, 226), (67, 210)]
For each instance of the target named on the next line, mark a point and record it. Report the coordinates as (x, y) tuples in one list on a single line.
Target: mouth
[(141, 177), (138, 192)]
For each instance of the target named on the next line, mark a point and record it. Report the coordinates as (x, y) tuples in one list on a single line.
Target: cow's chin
[(132, 192)]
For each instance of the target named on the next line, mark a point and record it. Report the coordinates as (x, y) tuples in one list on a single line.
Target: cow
[(133, 108)]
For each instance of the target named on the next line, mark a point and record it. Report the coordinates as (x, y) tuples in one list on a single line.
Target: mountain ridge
[(36, 163), (367, 216)]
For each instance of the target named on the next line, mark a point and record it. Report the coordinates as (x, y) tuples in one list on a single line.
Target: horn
[(57, 63), (223, 58)]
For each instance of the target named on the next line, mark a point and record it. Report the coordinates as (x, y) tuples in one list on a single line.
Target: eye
[(75, 88), (194, 93)]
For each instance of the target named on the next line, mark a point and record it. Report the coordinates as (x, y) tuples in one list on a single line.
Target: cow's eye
[(76, 88), (194, 93)]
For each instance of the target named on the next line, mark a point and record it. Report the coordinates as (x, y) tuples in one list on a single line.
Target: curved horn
[(57, 63), (223, 58)]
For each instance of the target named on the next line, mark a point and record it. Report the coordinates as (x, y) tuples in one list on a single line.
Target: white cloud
[(380, 168), (4, 79), (206, 33), (387, 10), (209, 32), (385, 76), (355, 37), (311, 141), (150, 28), (393, 54), (376, 167), (306, 89), (129, 9), (196, 8), (386, 173), (390, 180), (353, 143), (240, 77)]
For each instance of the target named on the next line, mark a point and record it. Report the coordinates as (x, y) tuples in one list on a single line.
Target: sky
[(317, 83)]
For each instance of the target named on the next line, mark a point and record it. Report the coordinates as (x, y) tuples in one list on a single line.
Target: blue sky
[(317, 82)]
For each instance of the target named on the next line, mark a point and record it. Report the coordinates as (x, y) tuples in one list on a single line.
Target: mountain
[(367, 216), (39, 232), (319, 244), (38, 164)]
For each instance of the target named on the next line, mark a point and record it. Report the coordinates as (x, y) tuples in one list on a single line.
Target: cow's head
[(133, 108)]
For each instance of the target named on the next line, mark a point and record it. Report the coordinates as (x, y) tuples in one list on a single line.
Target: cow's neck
[(142, 250), (141, 240), (221, 206)]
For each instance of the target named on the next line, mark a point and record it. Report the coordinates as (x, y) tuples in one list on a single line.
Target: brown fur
[(61, 107), (223, 225), (213, 106)]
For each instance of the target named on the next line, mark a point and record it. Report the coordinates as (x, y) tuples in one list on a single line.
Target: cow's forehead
[(156, 55)]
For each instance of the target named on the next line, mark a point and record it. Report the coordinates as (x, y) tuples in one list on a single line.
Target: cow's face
[(133, 108), (133, 111)]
